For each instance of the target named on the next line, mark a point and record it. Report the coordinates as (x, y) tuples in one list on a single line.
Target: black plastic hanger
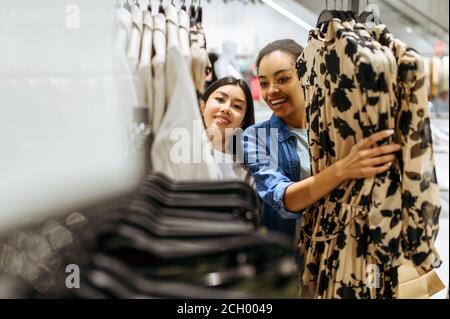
[(199, 19), (173, 228), (192, 14), (161, 8), (134, 245), (326, 16), (211, 214), (369, 14), (159, 288), (195, 200), (235, 187)]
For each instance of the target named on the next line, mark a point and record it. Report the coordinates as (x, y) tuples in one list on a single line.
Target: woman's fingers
[(380, 150), (378, 160), (374, 138), (372, 171)]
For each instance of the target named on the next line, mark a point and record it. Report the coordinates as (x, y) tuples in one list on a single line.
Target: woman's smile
[(222, 120), (278, 103)]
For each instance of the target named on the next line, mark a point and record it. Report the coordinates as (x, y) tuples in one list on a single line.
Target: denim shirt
[(275, 164)]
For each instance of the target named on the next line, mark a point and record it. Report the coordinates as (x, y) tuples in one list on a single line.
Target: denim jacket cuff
[(278, 197)]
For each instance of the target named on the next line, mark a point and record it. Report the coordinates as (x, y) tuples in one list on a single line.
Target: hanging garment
[(201, 65), (145, 66), (134, 45), (123, 22), (182, 120), (132, 55), (426, 70), (172, 42), (184, 37), (353, 233), (443, 75), (158, 63), (421, 205), (434, 77)]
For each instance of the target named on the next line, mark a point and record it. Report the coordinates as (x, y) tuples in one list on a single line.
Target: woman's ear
[(202, 106)]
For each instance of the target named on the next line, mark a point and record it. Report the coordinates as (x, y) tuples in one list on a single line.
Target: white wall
[(252, 26)]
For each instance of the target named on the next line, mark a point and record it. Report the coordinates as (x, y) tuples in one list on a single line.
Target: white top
[(159, 76), (134, 44), (145, 67), (181, 149), (123, 21), (229, 170)]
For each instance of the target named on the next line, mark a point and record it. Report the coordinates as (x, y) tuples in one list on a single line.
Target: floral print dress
[(354, 239)]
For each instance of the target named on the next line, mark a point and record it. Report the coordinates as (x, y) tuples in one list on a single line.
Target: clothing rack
[(352, 5)]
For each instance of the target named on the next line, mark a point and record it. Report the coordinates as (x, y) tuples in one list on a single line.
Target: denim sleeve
[(262, 160)]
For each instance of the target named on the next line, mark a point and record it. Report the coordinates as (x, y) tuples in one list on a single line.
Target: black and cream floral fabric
[(420, 191), (354, 239)]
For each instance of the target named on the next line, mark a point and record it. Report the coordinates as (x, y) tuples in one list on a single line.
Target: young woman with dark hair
[(283, 179), (227, 110)]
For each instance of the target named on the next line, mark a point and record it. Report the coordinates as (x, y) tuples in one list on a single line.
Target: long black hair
[(235, 146), (249, 117)]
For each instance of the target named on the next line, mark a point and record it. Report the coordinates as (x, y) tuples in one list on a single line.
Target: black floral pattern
[(377, 220)]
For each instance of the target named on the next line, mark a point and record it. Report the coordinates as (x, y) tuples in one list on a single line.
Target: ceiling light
[(288, 15)]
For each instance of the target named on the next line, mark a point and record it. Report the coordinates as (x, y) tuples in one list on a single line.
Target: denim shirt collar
[(283, 131)]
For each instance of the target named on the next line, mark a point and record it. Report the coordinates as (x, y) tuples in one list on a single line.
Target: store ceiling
[(416, 22)]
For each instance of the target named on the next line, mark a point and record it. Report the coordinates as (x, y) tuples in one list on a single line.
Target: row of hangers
[(327, 15), (175, 239), (195, 9)]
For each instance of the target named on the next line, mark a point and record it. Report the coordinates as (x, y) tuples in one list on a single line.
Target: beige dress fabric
[(354, 239)]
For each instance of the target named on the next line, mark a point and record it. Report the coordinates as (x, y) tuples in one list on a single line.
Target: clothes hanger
[(369, 16), (180, 229), (110, 285), (199, 13), (211, 214), (133, 244), (236, 187), (154, 257), (192, 14), (183, 5), (232, 205), (161, 8), (193, 199), (162, 216), (327, 15), (165, 225), (110, 277), (157, 288)]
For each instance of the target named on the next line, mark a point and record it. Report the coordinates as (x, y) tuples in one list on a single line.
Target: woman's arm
[(362, 162)]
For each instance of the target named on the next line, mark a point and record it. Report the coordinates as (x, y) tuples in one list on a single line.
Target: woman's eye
[(239, 107), (264, 84), (283, 79), (220, 100)]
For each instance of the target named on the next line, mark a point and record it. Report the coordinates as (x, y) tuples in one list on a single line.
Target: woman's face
[(225, 108), (280, 86)]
